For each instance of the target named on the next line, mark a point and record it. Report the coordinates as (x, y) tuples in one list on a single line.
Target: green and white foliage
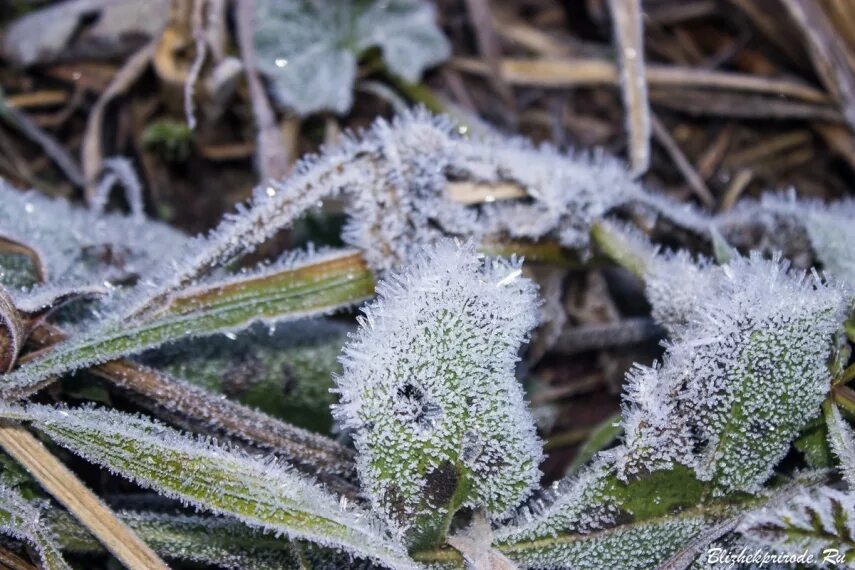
[(309, 49), (77, 246), (209, 476), (23, 520), (740, 381), (415, 158), (817, 520), (801, 229), (841, 439), (285, 372), (429, 391)]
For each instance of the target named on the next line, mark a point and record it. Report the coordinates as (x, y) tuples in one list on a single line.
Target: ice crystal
[(77, 246), (209, 476), (841, 438), (629, 547), (814, 520), (23, 520), (674, 284), (407, 205), (428, 387), (309, 50), (742, 378), (576, 505), (119, 169)]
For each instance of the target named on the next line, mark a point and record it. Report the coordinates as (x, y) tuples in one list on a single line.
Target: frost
[(740, 380), (79, 247), (405, 204), (119, 170), (23, 520), (629, 547), (428, 387), (223, 542), (813, 520), (841, 438), (675, 284), (209, 476), (576, 505), (309, 49)]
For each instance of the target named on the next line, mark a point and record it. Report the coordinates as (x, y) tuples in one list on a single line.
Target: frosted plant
[(77, 246), (841, 438), (428, 387), (119, 169), (751, 360), (309, 49), (675, 284), (816, 520), (206, 475), (22, 519)]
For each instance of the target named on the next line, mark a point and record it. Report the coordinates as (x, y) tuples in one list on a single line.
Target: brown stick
[(66, 488)]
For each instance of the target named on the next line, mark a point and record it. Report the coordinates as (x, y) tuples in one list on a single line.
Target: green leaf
[(813, 443), (841, 438), (814, 520), (429, 389), (309, 50), (602, 436), (223, 542), (22, 519), (312, 288), (206, 475), (638, 546), (286, 373)]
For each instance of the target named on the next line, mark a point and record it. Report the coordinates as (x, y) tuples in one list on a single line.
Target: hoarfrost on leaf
[(22, 519), (841, 438), (309, 49), (428, 387), (814, 520), (740, 380), (209, 476)]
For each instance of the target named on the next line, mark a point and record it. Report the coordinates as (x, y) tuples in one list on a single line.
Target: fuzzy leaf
[(429, 389), (77, 246), (217, 541), (751, 361), (295, 291), (841, 438), (309, 50), (286, 373), (637, 546), (211, 477), (22, 519), (813, 520)]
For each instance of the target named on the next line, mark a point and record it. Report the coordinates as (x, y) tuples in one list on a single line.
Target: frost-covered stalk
[(744, 375), (428, 387), (22, 519)]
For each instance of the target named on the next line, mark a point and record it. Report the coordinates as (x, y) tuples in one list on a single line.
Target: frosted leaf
[(428, 387), (209, 476), (119, 170), (308, 286), (309, 50), (23, 520), (740, 381), (77, 246), (783, 222), (638, 546), (675, 284), (223, 542), (576, 505), (814, 520), (406, 203), (841, 438), (286, 372)]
